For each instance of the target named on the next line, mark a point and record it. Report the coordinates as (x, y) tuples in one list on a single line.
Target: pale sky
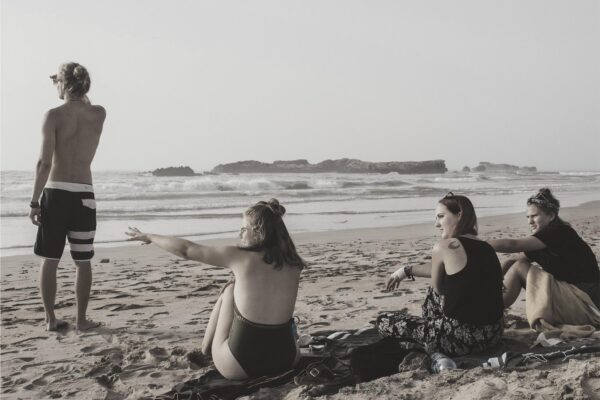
[(200, 83)]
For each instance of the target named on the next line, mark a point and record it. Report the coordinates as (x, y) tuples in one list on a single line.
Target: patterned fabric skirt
[(437, 332)]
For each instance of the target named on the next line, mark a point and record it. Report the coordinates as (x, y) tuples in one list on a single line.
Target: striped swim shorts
[(68, 211)]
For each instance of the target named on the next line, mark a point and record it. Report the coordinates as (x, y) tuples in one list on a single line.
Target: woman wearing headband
[(250, 328), (462, 312), (560, 252)]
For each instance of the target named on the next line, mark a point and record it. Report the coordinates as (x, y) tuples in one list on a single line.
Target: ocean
[(210, 206)]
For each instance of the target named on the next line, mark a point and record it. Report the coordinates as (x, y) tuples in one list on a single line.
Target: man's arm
[(44, 165), (506, 265), (529, 243)]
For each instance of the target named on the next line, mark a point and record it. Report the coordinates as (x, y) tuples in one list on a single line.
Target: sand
[(154, 308)]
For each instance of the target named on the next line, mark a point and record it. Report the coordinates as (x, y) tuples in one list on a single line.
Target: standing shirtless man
[(63, 179)]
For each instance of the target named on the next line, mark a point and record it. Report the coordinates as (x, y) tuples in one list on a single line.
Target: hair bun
[(76, 78), (79, 72), (277, 208)]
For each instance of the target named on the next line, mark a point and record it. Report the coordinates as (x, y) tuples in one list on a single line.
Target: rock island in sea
[(343, 165), (491, 167), (174, 171)]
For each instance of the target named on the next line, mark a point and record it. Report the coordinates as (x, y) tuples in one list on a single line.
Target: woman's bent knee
[(227, 291), (521, 267)]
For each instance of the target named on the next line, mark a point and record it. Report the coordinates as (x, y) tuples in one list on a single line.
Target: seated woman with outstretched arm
[(462, 312), (569, 269), (250, 329)]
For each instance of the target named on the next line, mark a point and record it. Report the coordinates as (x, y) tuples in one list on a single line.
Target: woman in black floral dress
[(463, 309)]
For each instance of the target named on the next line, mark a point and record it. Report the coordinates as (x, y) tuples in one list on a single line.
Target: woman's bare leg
[(209, 333), (225, 362), (507, 264), (211, 326), (515, 280)]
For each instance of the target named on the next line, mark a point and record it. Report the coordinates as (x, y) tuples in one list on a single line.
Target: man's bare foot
[(87, 324), (56, 324)]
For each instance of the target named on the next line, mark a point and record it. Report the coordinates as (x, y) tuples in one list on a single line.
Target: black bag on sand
[(359, 364), (377, 359)]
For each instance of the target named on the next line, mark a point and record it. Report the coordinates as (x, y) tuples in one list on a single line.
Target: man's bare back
[(77, 131), (67, 208)]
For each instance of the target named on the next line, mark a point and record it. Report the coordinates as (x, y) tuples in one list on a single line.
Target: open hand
[(135, 234), (395, 279)]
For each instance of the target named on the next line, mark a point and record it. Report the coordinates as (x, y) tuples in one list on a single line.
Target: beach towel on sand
[(333, 362), (556, 306)]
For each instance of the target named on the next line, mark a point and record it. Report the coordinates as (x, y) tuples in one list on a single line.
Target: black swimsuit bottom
[(261, 349)]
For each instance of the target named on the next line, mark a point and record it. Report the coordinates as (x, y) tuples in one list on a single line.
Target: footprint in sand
[(108, 380), (36, 383), (493, 389), (316, 324), (122, 307), (157, 354), (110, 351), (591, 387), (159, 313), (105, 371), (40, 382), (88, 349), (342, 289)]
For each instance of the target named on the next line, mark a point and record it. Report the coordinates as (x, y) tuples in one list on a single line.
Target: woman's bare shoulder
[(449, 244)]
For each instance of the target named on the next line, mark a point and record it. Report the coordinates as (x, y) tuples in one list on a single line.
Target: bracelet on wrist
[(408, 272), (34, 204)]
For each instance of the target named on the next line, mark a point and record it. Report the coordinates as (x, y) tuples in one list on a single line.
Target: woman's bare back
[(264, 294)]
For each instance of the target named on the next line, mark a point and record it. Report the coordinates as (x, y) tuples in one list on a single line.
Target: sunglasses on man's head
[(535, 200), (55, 79), (540, 196), (543, 201)]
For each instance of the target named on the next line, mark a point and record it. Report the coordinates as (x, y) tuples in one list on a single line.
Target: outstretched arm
[(529, 243), (221, 256)]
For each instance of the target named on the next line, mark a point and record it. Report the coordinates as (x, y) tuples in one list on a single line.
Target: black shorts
[(68, 210)]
